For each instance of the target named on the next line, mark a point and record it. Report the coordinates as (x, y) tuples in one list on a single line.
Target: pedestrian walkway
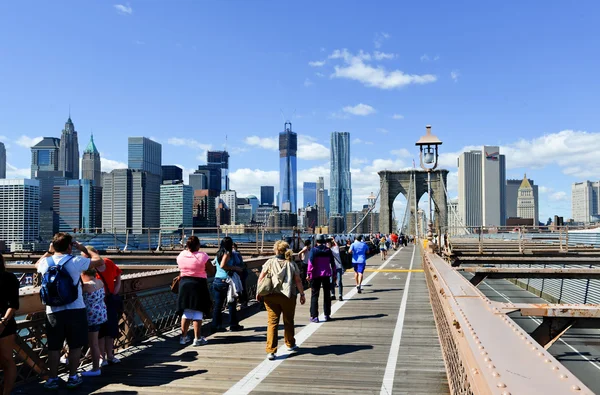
[(382, 341)]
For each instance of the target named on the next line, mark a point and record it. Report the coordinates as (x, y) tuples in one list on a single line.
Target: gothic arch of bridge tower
[(398, 182)]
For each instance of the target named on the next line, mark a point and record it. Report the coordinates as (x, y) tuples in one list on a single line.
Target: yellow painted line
[(391, 270)]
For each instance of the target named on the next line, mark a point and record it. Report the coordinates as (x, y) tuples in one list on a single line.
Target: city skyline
[(509, 91)]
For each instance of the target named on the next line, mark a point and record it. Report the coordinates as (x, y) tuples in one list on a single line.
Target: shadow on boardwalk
[(333, 349)]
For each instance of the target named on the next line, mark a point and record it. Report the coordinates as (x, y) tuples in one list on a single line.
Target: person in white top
[(68, 322), (336, 278)]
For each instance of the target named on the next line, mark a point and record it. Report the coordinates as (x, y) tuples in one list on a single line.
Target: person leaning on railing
[(225, 267), (9, 304), (193, 300)]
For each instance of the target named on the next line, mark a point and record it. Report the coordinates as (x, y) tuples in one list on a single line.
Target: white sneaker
[(271, 356), (200, 342), (64, 360), (292, 348), (91, 373), (183, 340)]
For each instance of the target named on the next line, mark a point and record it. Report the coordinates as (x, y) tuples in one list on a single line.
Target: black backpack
[(57, 284)]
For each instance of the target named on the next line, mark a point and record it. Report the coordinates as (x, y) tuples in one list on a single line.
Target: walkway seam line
[(262, 371), (390, 369)]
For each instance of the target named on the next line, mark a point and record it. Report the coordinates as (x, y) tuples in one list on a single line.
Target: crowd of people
[(83, 306)]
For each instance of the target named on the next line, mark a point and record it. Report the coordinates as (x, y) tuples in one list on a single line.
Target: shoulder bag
[(265, 286), (175, 285)]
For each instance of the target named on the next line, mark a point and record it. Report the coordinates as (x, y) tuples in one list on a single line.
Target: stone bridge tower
[(396, 182)]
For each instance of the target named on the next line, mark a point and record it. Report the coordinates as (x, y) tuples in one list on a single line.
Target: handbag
[(175, 285), (265, 286)]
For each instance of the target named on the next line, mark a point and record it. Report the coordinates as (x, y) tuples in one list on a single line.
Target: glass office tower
[(288, 145)]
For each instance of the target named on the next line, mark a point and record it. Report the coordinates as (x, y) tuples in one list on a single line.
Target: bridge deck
[(365, 346)]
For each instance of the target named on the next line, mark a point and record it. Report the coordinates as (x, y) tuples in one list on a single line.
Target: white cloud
[(380, 38), (191, 143), (356, 69), (402, 152), (454, 74), (382, 130), (28, 142), (320, 75), (424, 58), (123, 9), (308, 82), (14, 172), (427, 58), (317, 63), (247, 181), (310, 149), (109, 165), (397, 116), (383, 56), (270, 143), (359, 141), (559, 196), (359, 109)]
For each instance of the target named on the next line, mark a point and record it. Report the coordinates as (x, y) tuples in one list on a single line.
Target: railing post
[(567, 238), (149, 246), (256, 238), (481, 239), (262, 244), (520, 241)]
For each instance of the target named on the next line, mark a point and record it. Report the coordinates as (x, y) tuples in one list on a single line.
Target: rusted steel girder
[(481, 273)]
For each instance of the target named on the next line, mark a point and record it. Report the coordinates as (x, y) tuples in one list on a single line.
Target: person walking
[(9, 304), (321, 265), (383, 247), (66, 322), (93, 297), (225, 266), (336, 277), (303, 255), (283, 300), (359, 251), (193, 299)]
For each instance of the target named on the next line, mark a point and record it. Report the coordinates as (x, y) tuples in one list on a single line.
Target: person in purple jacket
[(321, 264)]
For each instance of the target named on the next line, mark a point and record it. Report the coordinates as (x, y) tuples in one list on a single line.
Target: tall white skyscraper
[(19, 212), (340, 182), (526, 205), (585, 201), (482, 187), (229, 198)]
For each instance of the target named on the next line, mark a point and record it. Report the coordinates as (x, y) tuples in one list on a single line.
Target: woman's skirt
[(194, 295)]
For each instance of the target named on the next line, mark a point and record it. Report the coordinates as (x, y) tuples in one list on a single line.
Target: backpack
[(57, 284)]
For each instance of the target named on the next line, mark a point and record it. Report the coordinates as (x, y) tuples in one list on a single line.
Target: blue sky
[(522, 75)]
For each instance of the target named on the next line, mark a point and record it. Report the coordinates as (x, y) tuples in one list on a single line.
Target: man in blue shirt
[(359, 251)]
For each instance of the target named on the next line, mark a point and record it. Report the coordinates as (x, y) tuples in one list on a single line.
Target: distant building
[(19, 212), (309, 191), (454, 223), (321, 205), (243, 214), (340, 181), (171, 173), (204, 211), (262, 214), (288, 145), (512, 194), (223, 214), (210, 177), (526, 205), (280, 220), (220, 159), (253, 201), (91, 164), (585, 201), (198, 181), (130, 200), (354, 218), (44, 155), (145, 154), (267, 195), (327, 204), (311, 218), (68, 160), (48, 216), (176, 206), (2, 161), (482, 187), (229, 199), (78, 206), (336, 224)]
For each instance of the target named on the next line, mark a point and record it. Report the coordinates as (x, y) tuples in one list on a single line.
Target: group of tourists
[(81, 292)]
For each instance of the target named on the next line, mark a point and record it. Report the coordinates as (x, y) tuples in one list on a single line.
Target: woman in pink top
[(193, 301)]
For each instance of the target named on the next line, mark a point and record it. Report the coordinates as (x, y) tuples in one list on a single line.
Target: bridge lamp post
[(428, 156)]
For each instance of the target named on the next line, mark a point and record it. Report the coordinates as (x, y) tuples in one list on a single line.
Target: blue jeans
[(220, 288), (338, 275)]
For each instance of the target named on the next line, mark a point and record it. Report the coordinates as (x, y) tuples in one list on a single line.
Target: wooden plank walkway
[(348, 355)]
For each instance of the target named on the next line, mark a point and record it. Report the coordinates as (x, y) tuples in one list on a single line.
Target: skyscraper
[(585, 201), (44, 155), (512, 195), (482, 187), (221, 160), (309, 191), (321, 207), (78, 205), (145, 154), (212, 175), (2, 161), (176, 206), (19, 212), (229, 199), (130, 199), (48, 216), (91, 164), (172, 173), (340, 184), (267, 195), (288, 145), (205, 215), (68, 161), (526, 202)]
